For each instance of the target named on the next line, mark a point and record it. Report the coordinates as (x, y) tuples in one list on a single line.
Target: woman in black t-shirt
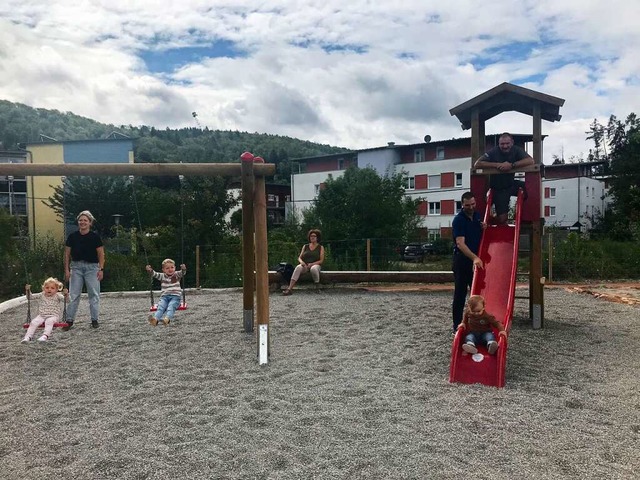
[(84, 265)]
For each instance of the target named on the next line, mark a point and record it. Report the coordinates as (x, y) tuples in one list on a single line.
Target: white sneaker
[(43, 338), (470, 347), (492, 347), (26, 340)]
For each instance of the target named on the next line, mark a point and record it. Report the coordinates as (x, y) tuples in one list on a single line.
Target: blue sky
[(355, 74)]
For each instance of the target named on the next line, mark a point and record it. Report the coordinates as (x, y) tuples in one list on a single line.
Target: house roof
[(507, 97)]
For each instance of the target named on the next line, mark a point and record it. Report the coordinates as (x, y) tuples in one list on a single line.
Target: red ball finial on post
[(258, 160), (247, 157)]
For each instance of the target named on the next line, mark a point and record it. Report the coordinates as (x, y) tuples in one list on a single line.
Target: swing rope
[(181, 177), (144, 250)]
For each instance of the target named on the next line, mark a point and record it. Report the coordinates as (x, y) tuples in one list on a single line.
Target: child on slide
[(477, 324)]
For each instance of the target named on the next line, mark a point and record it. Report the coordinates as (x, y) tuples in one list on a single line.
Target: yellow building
[(43, 220)]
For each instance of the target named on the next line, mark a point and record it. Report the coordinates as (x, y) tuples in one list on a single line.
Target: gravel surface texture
[(356, 388)]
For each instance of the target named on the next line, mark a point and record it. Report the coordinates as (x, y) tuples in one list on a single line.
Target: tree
[(104, 196), (361, 204), (622, 220), (597, 134), (625, 172)]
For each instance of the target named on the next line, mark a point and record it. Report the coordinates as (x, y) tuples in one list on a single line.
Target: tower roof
[(507, 97)]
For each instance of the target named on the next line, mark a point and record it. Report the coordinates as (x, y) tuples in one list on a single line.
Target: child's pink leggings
[(48, 321)]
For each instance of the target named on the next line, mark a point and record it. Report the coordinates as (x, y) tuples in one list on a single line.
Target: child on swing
[(49, 308), (171, 291), (477, 324)]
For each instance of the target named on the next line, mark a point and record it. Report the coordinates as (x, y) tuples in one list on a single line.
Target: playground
[(356, 387)]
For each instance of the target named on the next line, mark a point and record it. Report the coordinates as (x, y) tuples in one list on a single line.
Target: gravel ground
[(356, 388)]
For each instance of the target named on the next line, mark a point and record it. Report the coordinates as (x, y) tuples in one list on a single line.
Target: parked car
[(415, 252)]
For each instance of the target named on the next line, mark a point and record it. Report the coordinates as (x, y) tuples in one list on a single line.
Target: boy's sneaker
[(166, 321), (26, 340), (470, 347), (492, 347), (43, 338), (153, 320), (94, 324), (68, 327)]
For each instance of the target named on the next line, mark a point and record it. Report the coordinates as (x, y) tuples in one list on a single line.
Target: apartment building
[(438, 173)]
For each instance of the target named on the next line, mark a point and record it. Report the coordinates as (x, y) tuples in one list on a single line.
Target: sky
[(354, 74)]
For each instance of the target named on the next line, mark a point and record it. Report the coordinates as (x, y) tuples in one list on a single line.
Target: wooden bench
[(333, 277)]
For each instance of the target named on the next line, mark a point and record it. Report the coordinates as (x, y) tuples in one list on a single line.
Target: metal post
[(197, 266)]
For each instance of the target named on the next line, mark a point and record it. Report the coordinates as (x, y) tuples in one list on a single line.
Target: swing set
[(252, 171)]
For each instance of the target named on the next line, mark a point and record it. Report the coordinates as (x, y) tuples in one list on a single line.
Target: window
[(316, 189), (552, 193), (341, 164), (434, 208), (330, 176), (587, 191), (434, 234), (593, 192), (287, 198), (410, 183), (418, 155), (458, 179), (439, 153), (434, 181), (552, 211), (13, 195), (271, 197), (458, 206)]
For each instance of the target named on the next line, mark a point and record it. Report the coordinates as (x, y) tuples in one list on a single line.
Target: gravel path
[(356, 388)]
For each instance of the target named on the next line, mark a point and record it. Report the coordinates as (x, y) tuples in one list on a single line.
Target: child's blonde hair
[(58, 283), (168, 261), (474, 301)]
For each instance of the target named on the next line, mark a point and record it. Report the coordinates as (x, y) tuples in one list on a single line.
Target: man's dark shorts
[(501, 197)]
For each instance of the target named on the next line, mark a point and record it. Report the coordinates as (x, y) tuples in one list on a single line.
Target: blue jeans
[(463, 278), (475, 337), (84, 273), (167, 306)]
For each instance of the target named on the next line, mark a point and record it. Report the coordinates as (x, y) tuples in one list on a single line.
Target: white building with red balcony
[(438, 173)]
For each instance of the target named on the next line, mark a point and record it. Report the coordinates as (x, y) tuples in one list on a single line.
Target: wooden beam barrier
[(375, 276), (139, 169)]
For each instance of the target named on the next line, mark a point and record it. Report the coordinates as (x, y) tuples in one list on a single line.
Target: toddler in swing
[(171, 291), (51, 302), (478, 324)]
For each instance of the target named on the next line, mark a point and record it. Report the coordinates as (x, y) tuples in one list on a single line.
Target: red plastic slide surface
[(496, 283)]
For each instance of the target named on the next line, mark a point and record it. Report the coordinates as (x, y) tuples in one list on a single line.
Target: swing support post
[(262, 268), (248, 228)]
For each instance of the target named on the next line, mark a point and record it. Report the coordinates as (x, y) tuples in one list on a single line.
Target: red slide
[(497, 284)]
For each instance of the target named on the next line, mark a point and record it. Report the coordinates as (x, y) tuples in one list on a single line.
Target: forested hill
[(23, 124)]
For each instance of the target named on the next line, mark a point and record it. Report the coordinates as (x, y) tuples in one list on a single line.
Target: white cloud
[(355, 74)]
